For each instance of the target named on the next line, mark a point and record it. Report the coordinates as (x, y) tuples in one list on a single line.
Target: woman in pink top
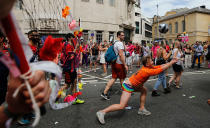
[(85, 54), (154, 50)]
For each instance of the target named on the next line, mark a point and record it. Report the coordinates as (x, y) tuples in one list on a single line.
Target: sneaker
[(78, 101), (104, 74), (154, 93), (105, 96), (144, 112), (167, 90), (100, 116), (128, 107), (23, 121)]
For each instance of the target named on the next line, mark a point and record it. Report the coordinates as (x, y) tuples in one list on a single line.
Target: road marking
[(108, 76), (90, 81), (89, 70), (95, 77), (88, 78)]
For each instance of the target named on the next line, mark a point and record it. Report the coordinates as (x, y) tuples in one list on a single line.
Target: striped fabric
[(126, 88)]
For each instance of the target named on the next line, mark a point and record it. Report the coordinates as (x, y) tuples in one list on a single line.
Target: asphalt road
[(175, 110)]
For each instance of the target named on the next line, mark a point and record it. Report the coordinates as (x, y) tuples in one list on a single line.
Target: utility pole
[(158, 21)]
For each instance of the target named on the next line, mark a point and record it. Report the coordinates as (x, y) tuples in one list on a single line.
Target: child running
[(136, 83)]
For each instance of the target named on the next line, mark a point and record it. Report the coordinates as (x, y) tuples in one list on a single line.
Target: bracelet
[(7, 112)]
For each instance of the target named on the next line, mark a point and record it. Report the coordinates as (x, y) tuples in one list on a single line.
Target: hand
[(174, 60), (22, 103), (126, 68)]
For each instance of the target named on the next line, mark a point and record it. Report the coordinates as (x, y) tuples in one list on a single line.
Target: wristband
[(7, 112)]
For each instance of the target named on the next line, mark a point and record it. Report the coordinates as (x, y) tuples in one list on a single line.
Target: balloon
[(163, 28), (72, 25), (65, 12), (76, 33)]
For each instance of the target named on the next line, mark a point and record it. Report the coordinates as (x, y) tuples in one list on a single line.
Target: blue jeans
[(161, 79), (194, 59)]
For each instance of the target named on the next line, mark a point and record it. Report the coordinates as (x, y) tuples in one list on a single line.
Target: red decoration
[(51, 48)]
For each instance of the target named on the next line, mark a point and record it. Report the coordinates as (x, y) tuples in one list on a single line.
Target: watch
[(7, 112)]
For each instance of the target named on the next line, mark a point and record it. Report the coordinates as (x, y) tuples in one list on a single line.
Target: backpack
[(110, 55)]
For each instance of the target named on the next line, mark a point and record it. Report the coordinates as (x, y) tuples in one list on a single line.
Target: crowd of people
[(151, 60)]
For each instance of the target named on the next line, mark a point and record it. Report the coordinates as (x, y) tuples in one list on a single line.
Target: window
[(85, 0), (183, 26), (99, 36), (112, 3), (170, 28), (137, 27), (176, 27), (148, 27), (111, 36), (85, 35), (100, 1), (137, 14), (148, 34)]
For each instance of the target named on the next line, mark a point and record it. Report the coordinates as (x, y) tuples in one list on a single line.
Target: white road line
[(95, 77), (108, 76), (88, 78), (89, 70), (90, 81)]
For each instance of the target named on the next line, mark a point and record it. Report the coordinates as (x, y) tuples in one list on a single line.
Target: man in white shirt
[(119, 69), (198, 49)]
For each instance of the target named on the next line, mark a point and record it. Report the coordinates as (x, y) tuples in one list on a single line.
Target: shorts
[(94, 58), (129, 60), (127, 88), (177, 68), (102, 59), (118, 71), (70, 77)]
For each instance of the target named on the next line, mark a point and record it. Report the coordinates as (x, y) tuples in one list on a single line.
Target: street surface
[(182, 108)]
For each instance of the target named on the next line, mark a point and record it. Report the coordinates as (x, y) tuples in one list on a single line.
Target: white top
[(178, 56), (146, 50), (118, 45)]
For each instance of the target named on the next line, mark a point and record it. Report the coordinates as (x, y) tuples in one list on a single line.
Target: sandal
[(177, 87)]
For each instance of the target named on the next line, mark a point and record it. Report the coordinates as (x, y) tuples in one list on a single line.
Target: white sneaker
[(144, 112), (100, 116)]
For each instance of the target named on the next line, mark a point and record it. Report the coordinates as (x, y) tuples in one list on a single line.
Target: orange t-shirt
[(140, 77)]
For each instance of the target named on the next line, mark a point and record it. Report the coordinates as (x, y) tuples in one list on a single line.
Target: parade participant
[(178, 67), (72, 51), (154, 50), (94, 51), (103, 48), (198, 51), (4, 72), (119, 68), (162, 58), (35, 44), (146, 50), (136, 83), (85, 54), (136, 53), (188, 56), (129, 52)]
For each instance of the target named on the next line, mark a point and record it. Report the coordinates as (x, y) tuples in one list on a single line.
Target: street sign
[(92, 34)]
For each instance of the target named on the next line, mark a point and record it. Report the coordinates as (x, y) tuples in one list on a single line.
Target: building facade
[(194, 22), (100, 19)]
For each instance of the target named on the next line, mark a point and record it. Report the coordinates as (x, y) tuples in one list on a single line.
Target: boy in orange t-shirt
[(136, 83)]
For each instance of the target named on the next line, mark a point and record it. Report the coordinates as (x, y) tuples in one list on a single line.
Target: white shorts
[(129, 60)]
